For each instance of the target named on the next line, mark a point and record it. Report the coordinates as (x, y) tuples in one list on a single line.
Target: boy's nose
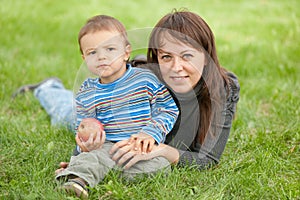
[(101, 55)]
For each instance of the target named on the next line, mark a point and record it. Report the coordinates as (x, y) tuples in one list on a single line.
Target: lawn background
[(258, 40)]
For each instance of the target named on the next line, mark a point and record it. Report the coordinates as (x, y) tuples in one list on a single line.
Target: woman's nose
[(177, 64)]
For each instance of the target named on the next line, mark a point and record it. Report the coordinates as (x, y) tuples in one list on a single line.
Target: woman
[(183, 46), (183, 55)]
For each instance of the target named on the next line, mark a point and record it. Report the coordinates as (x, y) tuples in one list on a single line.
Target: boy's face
[(105, 54)]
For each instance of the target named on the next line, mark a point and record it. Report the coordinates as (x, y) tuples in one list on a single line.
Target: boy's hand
[(142, 142), (91, 144)]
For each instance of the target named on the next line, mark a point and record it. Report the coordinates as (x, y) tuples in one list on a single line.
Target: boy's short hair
[(102, 23)]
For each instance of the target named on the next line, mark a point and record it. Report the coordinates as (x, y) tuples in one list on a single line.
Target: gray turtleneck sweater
[(183, 134)]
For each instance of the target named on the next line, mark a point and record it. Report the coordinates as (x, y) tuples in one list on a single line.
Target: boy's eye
[(91, 52), (110, 49)]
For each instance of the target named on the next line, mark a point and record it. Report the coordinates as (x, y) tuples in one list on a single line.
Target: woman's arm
[(122, 154), (170, 153), (173, 155), (203, 156), (201, 161)]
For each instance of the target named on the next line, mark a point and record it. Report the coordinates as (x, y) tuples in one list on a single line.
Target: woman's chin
[(181, 88)]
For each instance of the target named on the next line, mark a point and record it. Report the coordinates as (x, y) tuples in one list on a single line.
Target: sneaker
[(31, 87), (76, 187)]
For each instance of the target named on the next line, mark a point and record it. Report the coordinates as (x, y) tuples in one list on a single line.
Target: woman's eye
[(187, 56), (166, 58)]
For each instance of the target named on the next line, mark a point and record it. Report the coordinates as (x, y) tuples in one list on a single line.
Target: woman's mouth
[(179, 78)]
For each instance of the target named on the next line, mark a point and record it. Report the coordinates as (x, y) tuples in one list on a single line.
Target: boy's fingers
[(91, 138), (137, 144), (98, 136), (59, 170), (150, 146), (77, 139), (145, 146), (80, 143), (132, 138), (63, 164), (103, 136)]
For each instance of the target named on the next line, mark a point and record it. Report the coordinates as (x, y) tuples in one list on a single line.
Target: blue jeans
[(58, 103)]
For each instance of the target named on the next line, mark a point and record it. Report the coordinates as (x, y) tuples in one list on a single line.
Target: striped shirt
[(136, 102)]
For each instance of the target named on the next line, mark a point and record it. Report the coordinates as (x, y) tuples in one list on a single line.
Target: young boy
[(128, 101)]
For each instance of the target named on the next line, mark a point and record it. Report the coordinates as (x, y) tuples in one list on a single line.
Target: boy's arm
[(164, 113), (84, 107), (82, 111)]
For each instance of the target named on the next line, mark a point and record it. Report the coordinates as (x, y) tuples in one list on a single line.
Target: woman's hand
[(91, 144), (133, 157), (122, 152), (122, 148)]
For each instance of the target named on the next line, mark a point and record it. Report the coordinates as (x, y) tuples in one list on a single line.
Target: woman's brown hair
[(189, 28)]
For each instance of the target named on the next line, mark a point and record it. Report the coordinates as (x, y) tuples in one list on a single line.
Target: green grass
[(258, 40)]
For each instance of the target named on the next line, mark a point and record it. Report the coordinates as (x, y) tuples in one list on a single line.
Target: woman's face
[(180, 64)]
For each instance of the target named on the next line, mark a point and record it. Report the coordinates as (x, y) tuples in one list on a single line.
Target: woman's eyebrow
[(189, 50), (163, 51), (180, 53)]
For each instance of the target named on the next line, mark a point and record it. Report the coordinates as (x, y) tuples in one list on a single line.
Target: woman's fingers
[(118, 146), (127, 156), (120, 152), (136, 158), (157, 151)]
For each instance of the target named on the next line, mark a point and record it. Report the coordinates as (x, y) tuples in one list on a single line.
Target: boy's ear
[(128, 51), (128, 48)]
